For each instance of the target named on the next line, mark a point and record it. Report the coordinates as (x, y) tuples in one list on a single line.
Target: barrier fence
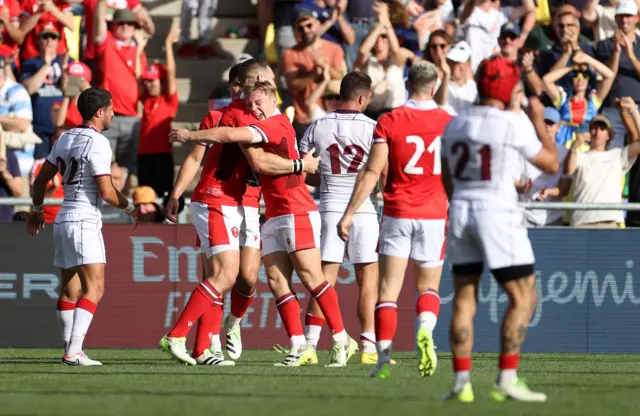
[(586, 293)]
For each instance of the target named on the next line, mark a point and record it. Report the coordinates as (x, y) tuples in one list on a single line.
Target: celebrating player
[(217, 217), (481, 153), (83, 157), (343, 141), (291, 232), (407, 140)]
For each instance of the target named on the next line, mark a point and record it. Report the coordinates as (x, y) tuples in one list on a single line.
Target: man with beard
[(303, 65)]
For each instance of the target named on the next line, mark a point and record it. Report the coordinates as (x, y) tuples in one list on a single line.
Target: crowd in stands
[(581, 57)]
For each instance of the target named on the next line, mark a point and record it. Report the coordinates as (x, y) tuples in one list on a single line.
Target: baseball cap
[(155, 71), (496, 78), (78, 69), (49, 29), (144, 195), (460, 52), (124, 16), (306, 14), (600, 119), (626, 8), (510, 28), (552, 115)]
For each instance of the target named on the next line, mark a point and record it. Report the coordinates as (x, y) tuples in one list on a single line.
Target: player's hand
[(133, 214), (343, 226), (171, 210), (35, 222), (310, 162), (179, 135)]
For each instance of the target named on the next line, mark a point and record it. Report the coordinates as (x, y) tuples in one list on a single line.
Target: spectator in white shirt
[(597, 173), (602, 17), (458, 89)]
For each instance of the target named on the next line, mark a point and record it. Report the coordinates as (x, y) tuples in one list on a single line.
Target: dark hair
[(249, 68), (353, 85), (91, 100), (436, 34), (234, 72), (20, 216)]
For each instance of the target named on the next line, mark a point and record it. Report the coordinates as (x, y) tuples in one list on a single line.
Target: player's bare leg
[(279, 272), (307, 265), (224, 267), (207, 349), (427, 277), (522, 298), (92, 279), (242, 295), (461, 335), (367, 280), (70, 292), (392, 270)]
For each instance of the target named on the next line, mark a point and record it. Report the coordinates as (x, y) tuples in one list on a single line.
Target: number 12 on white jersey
[(434, 148)]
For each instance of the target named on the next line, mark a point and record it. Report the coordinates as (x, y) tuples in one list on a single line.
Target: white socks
[(82, 317), (312, 334), (428, 321)]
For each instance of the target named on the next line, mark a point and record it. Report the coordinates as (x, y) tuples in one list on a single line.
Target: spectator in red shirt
[(54, 190), (11, 36), (120, 62), (36, 14), (65, 115), (160, 100), (141, 14)]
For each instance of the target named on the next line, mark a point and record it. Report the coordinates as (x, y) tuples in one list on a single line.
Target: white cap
[(626, 7), (460, 52), (243, 57)]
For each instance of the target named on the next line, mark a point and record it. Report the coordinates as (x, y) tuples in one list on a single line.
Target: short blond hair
[(261, 86)]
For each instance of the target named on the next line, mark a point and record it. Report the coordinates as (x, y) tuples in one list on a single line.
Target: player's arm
[(110, 194), (188, 170), (216, 135), (368, 177), (39, 188), (270, 164)]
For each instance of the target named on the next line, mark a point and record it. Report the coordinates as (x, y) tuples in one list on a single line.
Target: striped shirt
[(15, 100)]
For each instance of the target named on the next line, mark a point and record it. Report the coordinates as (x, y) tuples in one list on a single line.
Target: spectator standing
[(204, 10), (37, 14), (601, 17), (578, 105), (458, 90), (121, 61), (329, 91), (439, 16), (42, 77), (10, 183), (11, 37), (629, 113), (335, 25), (303, 66), (621, 53), (140, 13), (78, 79), (160, 101), (436, 51), (539, 186), (362, 20), (382, 58), (54, 190), (481, 21), (597, 173)]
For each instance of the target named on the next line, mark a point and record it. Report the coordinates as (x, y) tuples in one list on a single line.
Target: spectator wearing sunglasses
[(42, 77), (436, 52), (579, 105), (36, 14), (120, 62)]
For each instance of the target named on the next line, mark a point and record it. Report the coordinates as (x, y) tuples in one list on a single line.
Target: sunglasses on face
[(510, 36), (48, 36), (235, 84), (581, 75), (549, 123), (437, 46), (301, 28), (598, 126)]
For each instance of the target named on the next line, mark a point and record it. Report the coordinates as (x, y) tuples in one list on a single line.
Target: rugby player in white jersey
[(481, 154), (82, 155), (343, 140)]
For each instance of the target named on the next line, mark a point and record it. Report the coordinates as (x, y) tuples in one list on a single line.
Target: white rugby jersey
[(81, 154), (343, 140), (483, 147)]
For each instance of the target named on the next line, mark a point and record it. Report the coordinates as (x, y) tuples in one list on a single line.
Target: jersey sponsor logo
[(212, 190)]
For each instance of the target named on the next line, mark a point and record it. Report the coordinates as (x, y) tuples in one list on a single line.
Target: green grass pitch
[(147, 382)]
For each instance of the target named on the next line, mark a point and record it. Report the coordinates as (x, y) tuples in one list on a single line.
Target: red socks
[(461, 364), (201, 299), (327, 299), (208, 325), (240, 303), (386, 317), (289, 310), (509, 361)]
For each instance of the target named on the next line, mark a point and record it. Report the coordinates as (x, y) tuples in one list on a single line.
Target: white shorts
[(77, 242), (250, 230), (291, 233), (218, 227), (421, 240), (487, 234), (361, 245)]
